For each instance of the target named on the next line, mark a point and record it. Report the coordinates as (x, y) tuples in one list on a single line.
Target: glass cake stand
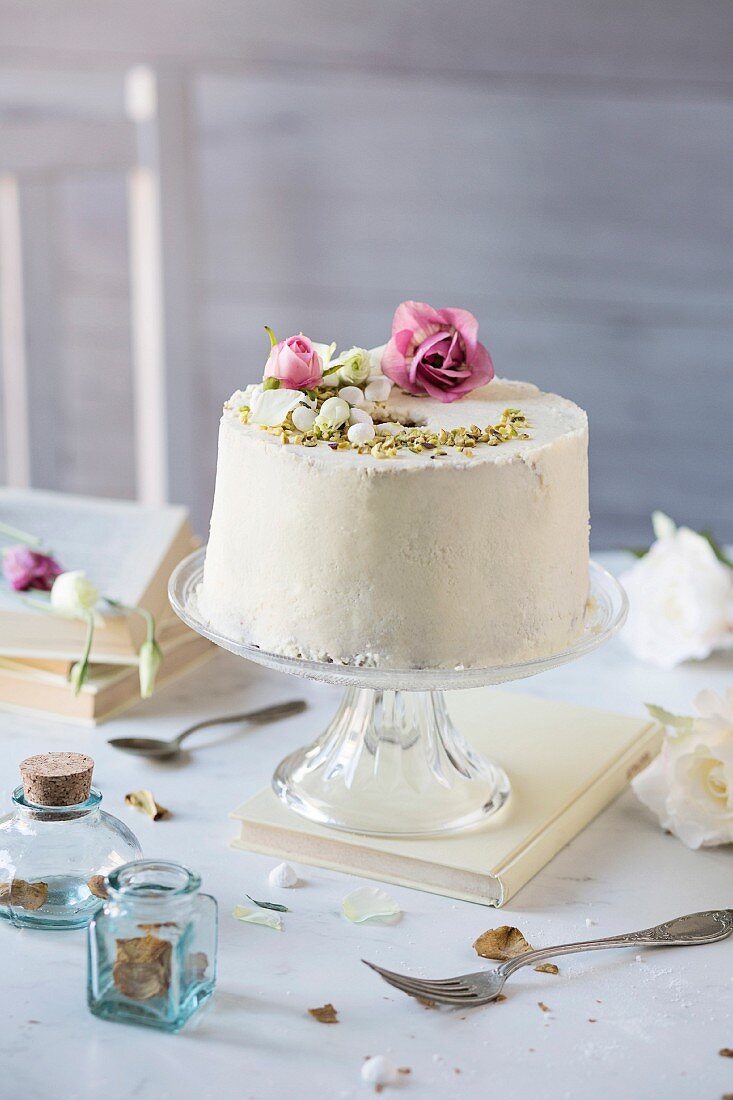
[(391, 763)]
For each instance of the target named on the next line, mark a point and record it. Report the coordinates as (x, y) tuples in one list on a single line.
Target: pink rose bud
[(24, 568), (295, 363), (436, 352)]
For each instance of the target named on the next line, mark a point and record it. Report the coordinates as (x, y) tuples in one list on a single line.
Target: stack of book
[(128, 551)]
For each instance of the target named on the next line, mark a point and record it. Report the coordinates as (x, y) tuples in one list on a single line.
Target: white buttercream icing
[(415, 561)]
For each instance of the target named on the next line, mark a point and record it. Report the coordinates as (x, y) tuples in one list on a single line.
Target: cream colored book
[(565, 763), (109, 691), (128, 550)]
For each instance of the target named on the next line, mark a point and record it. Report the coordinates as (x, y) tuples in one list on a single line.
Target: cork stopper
[(57, 778)]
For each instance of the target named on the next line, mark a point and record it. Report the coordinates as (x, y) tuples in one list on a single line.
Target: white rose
[(355, 366), (73, 594), (689, 786), (334, 412), (680, 599)]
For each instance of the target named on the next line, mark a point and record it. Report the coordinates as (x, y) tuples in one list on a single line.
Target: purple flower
[(436, 352), (24, 568)]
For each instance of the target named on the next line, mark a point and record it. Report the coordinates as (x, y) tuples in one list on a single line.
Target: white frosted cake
[(418, 532)]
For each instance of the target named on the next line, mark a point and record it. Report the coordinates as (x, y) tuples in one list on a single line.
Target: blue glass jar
[(56, 853), (152, 946)]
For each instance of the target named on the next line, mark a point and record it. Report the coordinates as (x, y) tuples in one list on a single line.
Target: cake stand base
[(391, 764)]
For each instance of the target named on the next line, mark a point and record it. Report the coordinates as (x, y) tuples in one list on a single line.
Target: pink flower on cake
[(24, 568), (436, 352), (295, 363)]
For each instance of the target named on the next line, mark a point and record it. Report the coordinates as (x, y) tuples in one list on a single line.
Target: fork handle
[(697, 928)]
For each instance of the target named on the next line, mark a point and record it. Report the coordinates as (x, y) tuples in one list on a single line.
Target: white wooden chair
[(152, 144)]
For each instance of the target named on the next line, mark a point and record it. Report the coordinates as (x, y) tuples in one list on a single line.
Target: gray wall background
[(560, 167)]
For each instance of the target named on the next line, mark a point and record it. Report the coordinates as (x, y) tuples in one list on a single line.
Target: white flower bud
[(361, 432), (378, 389), (303, 418), (359, 416), (334, 412), (74, 594), (149, 657), (352, 394)]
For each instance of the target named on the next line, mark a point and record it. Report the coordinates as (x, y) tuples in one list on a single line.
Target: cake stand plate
[(391, 763)]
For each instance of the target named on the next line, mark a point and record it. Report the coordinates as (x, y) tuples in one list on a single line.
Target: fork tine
[(424, 981), (464, 999), (418, 988), (439, 985)]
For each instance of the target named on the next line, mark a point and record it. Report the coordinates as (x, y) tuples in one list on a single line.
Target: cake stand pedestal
[(391, 763)]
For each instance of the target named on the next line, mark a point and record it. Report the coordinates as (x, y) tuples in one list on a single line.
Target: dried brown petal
[(97, 886), (543, 1006), (499, 998), (143, 800), (196, 966), (24, 895), (326, 1014), (505, 942), (426, 1002), (726, 1052), (143, 967), (404, 1070), (547, 968)]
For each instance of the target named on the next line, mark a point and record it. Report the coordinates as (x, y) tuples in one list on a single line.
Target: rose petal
[(258, 916), (369, 903)]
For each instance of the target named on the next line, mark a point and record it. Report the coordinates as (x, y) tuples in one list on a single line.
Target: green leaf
[(682, 723), (268, 905), (271, 384), (637, 551)]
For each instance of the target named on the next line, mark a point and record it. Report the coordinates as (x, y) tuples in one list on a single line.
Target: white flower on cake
[(334, 412), (352, 394), (355, 365), (680, 597), (378, 389), (325, 352), (689, 786), (271, 407)]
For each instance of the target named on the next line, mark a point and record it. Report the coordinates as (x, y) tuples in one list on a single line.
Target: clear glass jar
[(152, 946), (54, 860)]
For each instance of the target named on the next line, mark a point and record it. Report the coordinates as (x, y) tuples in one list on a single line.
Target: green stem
[(271, 334), (149, 618), (79, 673), (20, 536)]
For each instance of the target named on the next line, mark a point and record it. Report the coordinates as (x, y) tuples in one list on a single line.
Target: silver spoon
[(152, 747)]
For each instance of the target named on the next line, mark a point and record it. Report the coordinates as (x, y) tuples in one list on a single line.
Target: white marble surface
[(617, 1028)]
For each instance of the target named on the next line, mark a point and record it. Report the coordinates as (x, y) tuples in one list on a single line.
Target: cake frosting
[(454, 535)]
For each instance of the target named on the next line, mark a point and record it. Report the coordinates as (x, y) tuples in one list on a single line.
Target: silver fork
[(467, 990)]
